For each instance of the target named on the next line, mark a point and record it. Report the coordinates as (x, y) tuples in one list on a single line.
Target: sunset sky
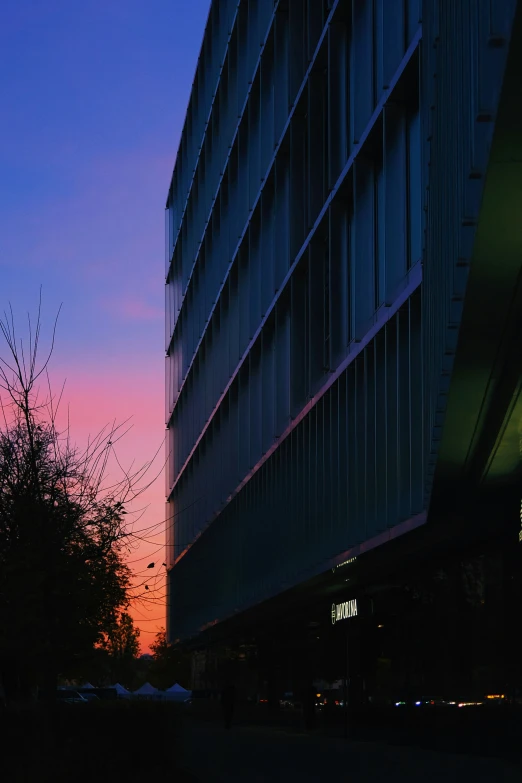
[(93, 96)]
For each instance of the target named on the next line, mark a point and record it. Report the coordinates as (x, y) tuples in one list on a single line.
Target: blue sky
[(93, 95)]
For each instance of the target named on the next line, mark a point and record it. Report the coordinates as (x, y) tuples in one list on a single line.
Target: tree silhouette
[(63, 579), (122, 645), (169, 664)]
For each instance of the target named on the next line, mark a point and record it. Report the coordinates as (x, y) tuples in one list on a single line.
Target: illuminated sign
[(344, 611), (353, 559)]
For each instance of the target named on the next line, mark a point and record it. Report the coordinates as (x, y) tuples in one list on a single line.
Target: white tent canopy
[(177, 693), (176, 688), (120, 690), (87, 686), (146, 690)]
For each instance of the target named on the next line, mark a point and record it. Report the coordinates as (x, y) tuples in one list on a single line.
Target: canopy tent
[(177, 693), (176, 688), (87, 686), (147, 691), (122, 692)]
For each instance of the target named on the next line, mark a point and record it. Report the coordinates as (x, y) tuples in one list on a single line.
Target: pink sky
[(100, 395)]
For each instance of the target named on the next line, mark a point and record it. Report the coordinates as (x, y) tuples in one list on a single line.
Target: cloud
[(132, 308)]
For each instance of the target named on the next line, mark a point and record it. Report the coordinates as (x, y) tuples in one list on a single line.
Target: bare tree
[(63, 530)]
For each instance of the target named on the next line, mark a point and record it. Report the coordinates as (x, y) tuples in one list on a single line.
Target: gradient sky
[(93, 95)]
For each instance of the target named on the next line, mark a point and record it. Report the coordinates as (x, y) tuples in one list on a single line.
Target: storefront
[(445, 628), (431, 620)]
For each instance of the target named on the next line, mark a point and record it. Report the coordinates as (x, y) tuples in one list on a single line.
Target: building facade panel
[(340, 488), (302, 274), (317, 265), (344, 388)]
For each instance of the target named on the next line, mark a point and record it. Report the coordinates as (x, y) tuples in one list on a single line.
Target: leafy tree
[(122, 640), (169, 663), (122, 646), (63, 580)]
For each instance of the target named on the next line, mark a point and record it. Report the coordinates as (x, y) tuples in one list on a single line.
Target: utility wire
[(172, 516)]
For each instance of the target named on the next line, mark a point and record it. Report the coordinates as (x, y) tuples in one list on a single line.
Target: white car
[(71, 697)]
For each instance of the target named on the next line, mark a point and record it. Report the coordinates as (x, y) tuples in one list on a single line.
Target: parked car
[(89, 696), (70, 697)]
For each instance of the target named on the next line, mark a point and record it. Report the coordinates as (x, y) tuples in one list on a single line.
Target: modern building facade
[(343, 299)]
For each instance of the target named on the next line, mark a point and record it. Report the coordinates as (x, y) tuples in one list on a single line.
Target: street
[(254, 754)]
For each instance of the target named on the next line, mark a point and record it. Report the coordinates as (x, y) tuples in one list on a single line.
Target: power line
[(172, 516), (150, 554)]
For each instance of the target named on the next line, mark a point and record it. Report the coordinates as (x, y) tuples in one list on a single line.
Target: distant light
[(346, 562), (381, 625), (418, 703), (495, 696), (317, 695), (400, 703)]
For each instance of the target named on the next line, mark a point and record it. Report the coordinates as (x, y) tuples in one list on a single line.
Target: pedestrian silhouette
[(228, 699)]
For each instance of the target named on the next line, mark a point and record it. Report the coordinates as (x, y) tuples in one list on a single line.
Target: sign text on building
[(344, 611)]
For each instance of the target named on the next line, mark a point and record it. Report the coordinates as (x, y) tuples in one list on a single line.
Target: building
[(343, 296)]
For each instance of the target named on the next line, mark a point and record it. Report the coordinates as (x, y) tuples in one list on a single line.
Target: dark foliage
[(169, 664), (63, 579)]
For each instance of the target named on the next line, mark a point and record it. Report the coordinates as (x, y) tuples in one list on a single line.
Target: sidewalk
[(254, 754)]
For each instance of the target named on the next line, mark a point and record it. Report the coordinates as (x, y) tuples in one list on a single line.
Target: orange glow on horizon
[(114, 394)]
